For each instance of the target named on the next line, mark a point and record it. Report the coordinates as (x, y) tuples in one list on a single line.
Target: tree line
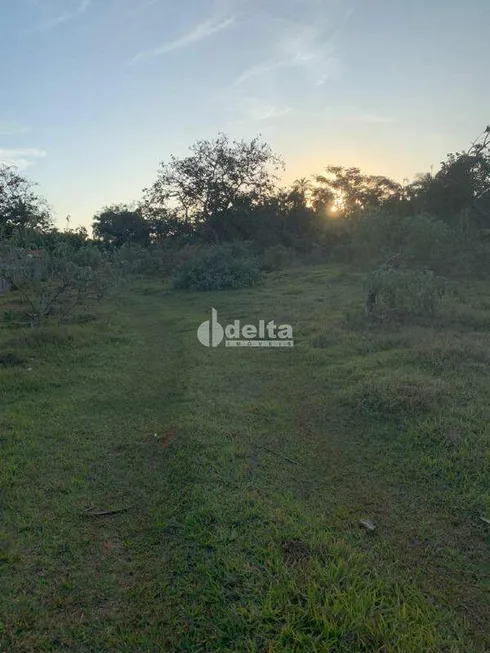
[(228, 191)]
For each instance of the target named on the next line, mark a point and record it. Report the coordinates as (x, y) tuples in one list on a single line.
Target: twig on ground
[(89, 513), (290, 460)]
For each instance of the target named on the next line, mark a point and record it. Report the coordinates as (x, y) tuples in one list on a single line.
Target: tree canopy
[(205, 188), (20, 206), (119, 224)]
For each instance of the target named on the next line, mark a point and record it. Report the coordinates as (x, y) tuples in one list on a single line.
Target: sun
[(335, 208)]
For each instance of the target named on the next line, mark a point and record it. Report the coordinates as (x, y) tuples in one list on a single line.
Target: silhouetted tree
[(353, 192), (207, 187), (166, 226), (20, 206), (119, 224), (460, 190)]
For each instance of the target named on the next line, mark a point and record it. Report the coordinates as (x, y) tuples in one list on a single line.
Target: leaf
[(486, 520), (367, 524)]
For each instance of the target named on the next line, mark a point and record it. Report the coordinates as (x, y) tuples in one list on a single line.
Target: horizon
[(100, 92)]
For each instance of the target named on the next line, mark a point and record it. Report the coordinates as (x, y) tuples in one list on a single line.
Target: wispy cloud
[(357, 115), (56, 19), (257, 109), (198, 33), (373, 119), (320, 66), (294, 55), (303, 41), (317, 65), (258, 70), (21, 158)]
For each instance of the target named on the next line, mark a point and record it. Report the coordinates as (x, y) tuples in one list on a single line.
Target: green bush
[(225, 267), (372, 239), (315, 255), (277, 257), (154, 261), (133, 259), (396, 292), (419, 241), (52, 282), (431, 243)]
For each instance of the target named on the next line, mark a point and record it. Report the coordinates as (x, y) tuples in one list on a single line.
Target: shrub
[(132, 259), (53, 282), (277, 257), (418, 240), (373, 238), (155, 261), (431, 243), (315, 255), (225, 267), (167, 259), (397, 292)]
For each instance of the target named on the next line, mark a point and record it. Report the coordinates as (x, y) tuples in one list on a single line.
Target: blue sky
[(95, 93)]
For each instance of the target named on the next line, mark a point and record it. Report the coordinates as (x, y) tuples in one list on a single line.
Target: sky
[(96, 93)]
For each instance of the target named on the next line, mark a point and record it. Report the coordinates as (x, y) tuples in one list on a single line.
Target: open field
[(245, 474)]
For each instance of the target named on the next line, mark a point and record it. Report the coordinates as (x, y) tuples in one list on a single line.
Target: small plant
[(219, 268)]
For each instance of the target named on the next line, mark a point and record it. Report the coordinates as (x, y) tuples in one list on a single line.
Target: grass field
[(244, 475)]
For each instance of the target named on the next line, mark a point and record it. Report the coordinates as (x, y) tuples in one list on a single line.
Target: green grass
[(228, 545)]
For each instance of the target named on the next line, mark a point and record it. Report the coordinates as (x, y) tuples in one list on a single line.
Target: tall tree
[(353, 192), (120, 224), (461, 187), (20, 206), (205, 188)]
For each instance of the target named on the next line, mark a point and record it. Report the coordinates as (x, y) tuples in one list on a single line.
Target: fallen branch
[(103, 513), (290, 460)]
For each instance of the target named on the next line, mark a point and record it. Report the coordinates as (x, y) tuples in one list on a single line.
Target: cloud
[(356, 115), (76, 10), (373, 119), (202, 31), (256, 109), (258, 70), (318, 66), (302, 40), (295, 43), (21, 158)]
